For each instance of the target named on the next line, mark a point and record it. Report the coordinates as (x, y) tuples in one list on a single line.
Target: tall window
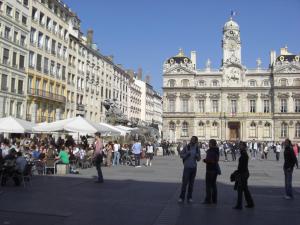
[(201, 105), (172, 128), (297, 105), (32, 35), (214, 130), (4, 82), (5, 59), (46, 65), (284, 130), (201, 130), (233, 106), (215, 104), (266, 106), (7, 33), (283, 105), (20, 86), (13, 85), (267, 130), (14, 60), (185, 105), (39, 62), (252, 130), (283, 82), (31, 59), (22, 62), (171, 105), (185, 129), (185, 83), (252, 106), (297, 130), (172, 83)]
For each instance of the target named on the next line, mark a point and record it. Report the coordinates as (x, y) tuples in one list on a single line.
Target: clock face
[(232, 45)]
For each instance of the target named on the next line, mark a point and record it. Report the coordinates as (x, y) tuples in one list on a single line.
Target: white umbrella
[(14, 125), (76, 125), (110, 130)]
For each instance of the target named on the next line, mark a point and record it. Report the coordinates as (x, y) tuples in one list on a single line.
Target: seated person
[(63, 157)]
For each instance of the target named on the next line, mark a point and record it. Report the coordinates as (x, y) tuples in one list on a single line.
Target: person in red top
[(98, 157), (296, 150)]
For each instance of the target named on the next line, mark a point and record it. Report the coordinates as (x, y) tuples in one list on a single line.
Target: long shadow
[(77, 200)]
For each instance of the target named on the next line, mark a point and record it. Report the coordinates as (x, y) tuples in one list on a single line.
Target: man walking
[(278, 150), (212, 170), (136, 150), (116, 159), (190, 155), (98, 157)]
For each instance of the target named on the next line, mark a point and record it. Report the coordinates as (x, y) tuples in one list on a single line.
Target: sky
[(144, 33)]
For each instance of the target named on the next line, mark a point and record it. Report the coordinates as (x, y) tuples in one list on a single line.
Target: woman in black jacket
[(242, 179), (290, 161)]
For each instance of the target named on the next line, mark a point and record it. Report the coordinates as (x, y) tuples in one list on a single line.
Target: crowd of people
[(191, 154), (43, 153)]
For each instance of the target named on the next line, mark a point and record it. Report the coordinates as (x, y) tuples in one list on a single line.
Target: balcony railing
[(47, 95)]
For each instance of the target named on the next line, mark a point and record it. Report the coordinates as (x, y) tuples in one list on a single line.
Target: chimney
[(148, 79), (140, 74), (194, 59), (90, 36), (272, 57)]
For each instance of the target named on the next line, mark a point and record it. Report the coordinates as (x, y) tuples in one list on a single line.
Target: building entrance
[(234, 130)]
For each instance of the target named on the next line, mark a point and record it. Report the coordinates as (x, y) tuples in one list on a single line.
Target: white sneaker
[(190, 200), (287, 197), (180, 200)]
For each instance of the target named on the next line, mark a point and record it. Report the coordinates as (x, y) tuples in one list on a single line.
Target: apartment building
[(14, 33)]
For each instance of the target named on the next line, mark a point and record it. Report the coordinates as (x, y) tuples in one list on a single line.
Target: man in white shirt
[(278, 150), (116, 159)]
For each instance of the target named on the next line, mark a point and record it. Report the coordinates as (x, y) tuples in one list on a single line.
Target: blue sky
[(144, 33)]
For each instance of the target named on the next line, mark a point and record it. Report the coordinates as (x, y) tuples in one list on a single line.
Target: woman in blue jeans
[(290, 161)]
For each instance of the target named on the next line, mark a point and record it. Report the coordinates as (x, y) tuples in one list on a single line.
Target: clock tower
[(231, 43)]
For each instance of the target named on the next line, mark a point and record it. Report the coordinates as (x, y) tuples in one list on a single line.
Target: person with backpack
[(212, 171), (190, 155)]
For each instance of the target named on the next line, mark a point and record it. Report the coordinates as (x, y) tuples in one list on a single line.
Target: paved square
[(148, 196)]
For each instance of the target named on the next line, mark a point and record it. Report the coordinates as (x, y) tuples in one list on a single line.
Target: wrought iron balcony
[(46, 95)]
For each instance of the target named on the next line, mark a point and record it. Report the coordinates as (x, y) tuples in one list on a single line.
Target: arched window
[(185, 83), (172, 83), (267, 130), (252, 130), (252, 83), (284, 130), (172, 126), (297, 130), (185, 129), (214, 130), (201, 129), (215, 83), (201, 83), (283, 82)]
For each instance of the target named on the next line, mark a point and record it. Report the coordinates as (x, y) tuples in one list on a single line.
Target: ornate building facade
[(232, 102)]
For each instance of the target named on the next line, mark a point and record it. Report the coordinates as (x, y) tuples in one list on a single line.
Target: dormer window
[(283, 82), (201, 83), (215, 83), (252, 83)]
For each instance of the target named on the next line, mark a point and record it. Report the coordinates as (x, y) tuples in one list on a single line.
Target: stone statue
[(208, 64), (258, 63), (113, 112)]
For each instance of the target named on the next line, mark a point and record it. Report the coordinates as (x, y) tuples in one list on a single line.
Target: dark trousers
[(137, 158), (99, 171), (243, 187), (188, 178), (211, 186), (288, 177), (233, 154), (277, 156)]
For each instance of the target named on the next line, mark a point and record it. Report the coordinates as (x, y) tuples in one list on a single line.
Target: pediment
[(179, 69), (289, 68)]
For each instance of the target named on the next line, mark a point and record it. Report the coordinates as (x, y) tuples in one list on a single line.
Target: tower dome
[(231, 25), (179, 58)]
